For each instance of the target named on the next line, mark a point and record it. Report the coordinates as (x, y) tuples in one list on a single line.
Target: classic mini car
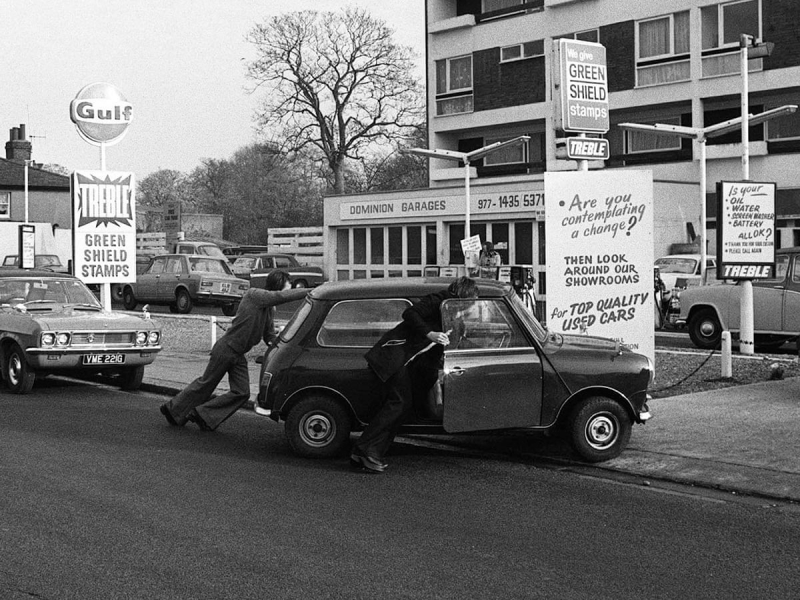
[(502, 371), (52, 323), (50, 262), (709, 310), (183, 280), (256, 267)]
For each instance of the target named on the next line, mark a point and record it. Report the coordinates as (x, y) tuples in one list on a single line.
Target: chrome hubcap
[(601, 431), (317, 429)]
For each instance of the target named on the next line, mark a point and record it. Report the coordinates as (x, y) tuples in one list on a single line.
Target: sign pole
[(746, 335)]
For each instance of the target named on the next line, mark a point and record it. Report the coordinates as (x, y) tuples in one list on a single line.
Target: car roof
[(399, 287), (14, 272), (260, 254)]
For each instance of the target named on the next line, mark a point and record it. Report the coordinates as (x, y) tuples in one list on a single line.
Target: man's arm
[(273, 298)]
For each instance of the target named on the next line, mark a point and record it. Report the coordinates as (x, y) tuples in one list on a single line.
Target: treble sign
[(104, 200)]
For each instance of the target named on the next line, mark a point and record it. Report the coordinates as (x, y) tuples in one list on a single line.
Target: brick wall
[(619, 40), (514, 83), (782, 27)]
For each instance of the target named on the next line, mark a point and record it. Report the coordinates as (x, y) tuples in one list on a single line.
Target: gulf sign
[(101, 114), (582, 86)]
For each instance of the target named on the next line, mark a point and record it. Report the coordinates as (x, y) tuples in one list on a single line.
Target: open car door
[(492, 373)]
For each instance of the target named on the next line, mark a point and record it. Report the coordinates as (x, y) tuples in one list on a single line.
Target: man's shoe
[(371, 464), (198, 420), (168, 415)]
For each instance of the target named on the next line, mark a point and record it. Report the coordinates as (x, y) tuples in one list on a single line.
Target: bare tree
[(337, 82)]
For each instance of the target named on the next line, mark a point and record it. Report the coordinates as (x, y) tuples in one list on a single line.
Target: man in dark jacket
[(407, 360), (254, 321)]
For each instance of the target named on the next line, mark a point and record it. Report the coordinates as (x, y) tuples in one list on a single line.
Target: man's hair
[(277, 280), (463, 287)]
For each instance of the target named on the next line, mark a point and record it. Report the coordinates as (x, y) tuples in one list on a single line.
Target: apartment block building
[(489, 79)]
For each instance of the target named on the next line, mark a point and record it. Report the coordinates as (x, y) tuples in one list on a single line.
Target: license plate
[(225, 288), (103, 359)]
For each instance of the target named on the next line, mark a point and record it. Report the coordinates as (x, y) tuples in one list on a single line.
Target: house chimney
[(18, 149)]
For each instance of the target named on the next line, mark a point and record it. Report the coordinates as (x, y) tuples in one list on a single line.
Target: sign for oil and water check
[(746, 239)]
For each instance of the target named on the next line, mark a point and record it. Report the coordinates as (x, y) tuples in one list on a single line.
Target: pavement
[(744, 439)]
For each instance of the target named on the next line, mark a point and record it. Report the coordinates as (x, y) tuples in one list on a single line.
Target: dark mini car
[(183, 280), (502, 371), (52, 323)]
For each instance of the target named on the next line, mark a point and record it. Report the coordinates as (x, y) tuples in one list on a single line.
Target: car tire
[(183, 301), (131, 378), (19, 375), (230, 309), (128, 299), (705, 329), (116, 293), (318, 427), (300, 283), (600, 429)]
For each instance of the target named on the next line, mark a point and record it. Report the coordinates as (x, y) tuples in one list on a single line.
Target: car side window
[(782, 267), (282, 262), (360, 323), (481, 324), (157, 266), (174, 265)]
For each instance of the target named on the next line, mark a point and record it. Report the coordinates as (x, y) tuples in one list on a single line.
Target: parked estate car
[(183, 280), (256, 267), (40, 261), (683, 270), (709, 310), (503, 371), (52, 323)]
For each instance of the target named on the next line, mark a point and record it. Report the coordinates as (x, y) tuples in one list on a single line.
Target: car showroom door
[(492, 376)]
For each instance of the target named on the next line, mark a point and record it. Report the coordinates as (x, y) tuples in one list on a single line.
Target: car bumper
[(72, 358), (209, 297)]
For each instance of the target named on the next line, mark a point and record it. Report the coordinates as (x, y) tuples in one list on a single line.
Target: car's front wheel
[(300, 283), (128, 299), (183, 301), (18, 373), (705, 329), (600, 428), (230, 309), (131, 378), (318, 427)]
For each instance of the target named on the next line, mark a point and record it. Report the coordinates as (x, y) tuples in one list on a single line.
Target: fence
[(151, 243), (305, 243)]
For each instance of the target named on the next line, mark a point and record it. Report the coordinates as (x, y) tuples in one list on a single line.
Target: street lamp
[(701, 134), (467, 158)]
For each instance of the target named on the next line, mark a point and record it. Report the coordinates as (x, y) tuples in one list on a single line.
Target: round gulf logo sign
[(101, 114)]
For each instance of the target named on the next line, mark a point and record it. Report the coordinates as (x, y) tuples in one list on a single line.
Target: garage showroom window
[(454, 85)]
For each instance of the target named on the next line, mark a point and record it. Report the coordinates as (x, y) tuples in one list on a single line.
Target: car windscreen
[(31, 289), (209, 265), (684, 266), (244, 263)]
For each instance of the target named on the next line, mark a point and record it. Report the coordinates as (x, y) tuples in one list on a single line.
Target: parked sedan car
[(50, 262), (709, 310), (504, 371), (256, 267), (683, 270), (183, 280), (52, 323)]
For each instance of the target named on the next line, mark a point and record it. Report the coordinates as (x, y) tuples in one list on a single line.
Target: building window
[(5, 205), (522, 51), (662, 50), (509, 155), (414, 245), (395, 246), (430, 245), (649, 141), (376, 245), (342, 247), (454, 85), (360, 246), (781, 129), (722, 25), (492, 5)]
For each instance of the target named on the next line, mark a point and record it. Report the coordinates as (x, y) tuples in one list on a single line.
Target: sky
[(179, 63)]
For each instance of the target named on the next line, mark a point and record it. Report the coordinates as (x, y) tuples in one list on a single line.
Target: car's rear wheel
[(131, 378), (18, 373), (128, 299), (116, 292), (300, 283), (705, 329), (183, 301), (230, 309), (318, 427), (600, 428)]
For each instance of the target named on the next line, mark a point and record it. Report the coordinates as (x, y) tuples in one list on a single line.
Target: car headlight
[(141, 338), (153, 337), (47, 339), (63, 339)]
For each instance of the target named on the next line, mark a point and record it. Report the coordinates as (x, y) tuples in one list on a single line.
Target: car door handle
[(456, 371)]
